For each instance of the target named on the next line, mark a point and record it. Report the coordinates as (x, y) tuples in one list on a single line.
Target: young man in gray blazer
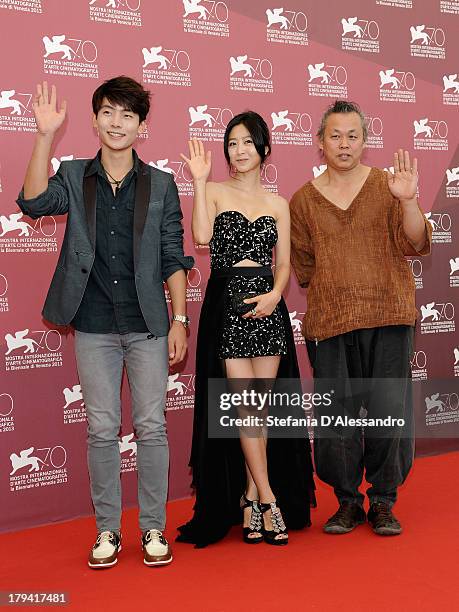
[(123, 238)]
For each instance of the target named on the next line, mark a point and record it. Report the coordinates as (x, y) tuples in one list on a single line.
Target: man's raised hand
[(403, 182), (44, 105)]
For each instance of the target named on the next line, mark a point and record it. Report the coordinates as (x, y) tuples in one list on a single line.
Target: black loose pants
[(369, 372)]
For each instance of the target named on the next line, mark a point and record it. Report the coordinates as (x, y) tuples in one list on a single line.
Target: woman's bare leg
[(242, 368), (254, 447), (266, 367)]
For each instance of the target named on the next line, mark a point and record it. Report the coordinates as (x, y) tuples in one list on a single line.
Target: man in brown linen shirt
[(351, 229)]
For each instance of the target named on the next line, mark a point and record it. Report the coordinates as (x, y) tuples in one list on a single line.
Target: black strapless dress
[(236, 238), (218, 465)]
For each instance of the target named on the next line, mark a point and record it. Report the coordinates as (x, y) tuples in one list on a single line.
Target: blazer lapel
[(142, 199), (89, 196)]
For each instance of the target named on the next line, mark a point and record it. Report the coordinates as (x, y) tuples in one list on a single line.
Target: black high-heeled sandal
[(270, 535), (256, 522)]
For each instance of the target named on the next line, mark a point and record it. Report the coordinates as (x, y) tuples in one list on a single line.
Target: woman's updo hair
[(258, 130)]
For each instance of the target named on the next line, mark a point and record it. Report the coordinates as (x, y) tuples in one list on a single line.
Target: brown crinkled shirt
[(353, 261)]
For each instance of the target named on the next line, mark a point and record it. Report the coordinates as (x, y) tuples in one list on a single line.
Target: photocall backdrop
[(204, 61)]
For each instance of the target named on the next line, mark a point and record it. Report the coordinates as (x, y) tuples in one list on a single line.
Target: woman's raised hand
[(199, 161), (48, 118)]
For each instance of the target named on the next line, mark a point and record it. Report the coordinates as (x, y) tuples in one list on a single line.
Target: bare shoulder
[(212, 190), (217, 188), (279, 202), (211, 186), (278, 205)]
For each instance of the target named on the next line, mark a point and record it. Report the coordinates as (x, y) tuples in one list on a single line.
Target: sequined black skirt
[(248, 337)]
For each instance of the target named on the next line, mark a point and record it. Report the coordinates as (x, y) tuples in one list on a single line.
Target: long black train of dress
[(218, 466)]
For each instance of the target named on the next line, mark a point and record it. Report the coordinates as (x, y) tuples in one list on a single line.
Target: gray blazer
[(157, 238)]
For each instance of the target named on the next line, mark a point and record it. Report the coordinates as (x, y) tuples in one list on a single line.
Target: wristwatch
[(183, 319)]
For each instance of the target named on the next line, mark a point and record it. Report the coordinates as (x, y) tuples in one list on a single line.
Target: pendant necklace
[(113, 180)]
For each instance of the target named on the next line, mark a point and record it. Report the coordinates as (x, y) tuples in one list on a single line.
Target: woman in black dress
[(243, 223)]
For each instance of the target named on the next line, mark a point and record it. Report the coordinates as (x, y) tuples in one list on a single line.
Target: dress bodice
[(236, 238)]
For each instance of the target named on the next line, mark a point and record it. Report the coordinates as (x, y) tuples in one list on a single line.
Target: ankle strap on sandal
[(248, 503), (268, 506)]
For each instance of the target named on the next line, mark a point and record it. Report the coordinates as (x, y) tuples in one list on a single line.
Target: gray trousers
[(100, 361)]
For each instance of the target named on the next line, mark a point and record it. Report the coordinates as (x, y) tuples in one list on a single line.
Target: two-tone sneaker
[(382, 521), (156, 550), (105, 551), (346, 518)]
